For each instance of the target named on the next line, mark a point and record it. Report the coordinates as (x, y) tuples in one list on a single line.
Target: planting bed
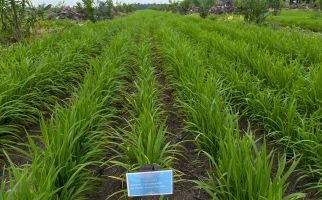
[(233, 109)]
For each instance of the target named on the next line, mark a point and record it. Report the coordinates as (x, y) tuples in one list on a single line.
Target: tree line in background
[(253, 10), (19, 17)]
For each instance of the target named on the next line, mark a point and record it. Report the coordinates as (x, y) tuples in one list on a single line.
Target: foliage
[(74, 137), (236, 85), (305, 19), (89, 9), (276, 5), (173, 6), (267, 95), (204, 6), (42, 9), (105, 9), (125, 8), (244, 172), (17, 18), (254, 10), (202, 96), (184, 6)]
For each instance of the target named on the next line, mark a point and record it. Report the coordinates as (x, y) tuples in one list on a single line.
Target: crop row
[(280, 112), (144, 141), (31, 82), (74, 137), (236, 173), (219, 75)]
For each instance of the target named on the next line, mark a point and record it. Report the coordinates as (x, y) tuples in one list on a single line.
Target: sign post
[(149, 183)]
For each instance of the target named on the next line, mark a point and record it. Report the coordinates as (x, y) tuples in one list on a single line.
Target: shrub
[(204, 6), (89, 7), (275, 5), (254, 10), (17, 18)]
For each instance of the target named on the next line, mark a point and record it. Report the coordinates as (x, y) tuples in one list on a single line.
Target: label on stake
[(149, 183)]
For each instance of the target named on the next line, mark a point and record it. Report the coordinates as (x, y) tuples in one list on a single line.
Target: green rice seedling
[(290, 78), (306, 19), (145, 142), (271, 68), (216, 131), (74, 137), (291, 44), (30, 88), (243, 171)]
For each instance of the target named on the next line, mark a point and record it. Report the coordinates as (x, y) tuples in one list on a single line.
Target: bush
[(17, 18), (254, 10), (184, 6), (89, 8), (276, 5), (204, 6), (105, 9)]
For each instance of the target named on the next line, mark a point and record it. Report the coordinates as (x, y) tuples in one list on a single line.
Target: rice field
[(305, 19), (233, 109)]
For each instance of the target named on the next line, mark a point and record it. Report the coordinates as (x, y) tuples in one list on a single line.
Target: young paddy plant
[(235, 162), (145, 139), (73, 139), (30, 87), (290, 44), (244, 171)]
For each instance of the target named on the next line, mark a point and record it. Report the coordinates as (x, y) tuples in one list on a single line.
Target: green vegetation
[(311, 20), (254, 10), (17, 19), (247, 98)]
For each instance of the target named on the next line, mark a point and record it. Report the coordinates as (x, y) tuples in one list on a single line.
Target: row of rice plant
[(74, 137), (273, 71), (279, 113), (144, 140), (240, 169), (309, 96), (262, 63), (292, 44), (30, 87)]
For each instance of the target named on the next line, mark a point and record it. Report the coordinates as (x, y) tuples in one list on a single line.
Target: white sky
[(73, 2)]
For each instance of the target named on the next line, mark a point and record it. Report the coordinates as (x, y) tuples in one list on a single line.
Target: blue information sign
[(149, 183)]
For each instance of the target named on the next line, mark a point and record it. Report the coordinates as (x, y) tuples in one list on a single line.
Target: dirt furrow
[(192, 166)]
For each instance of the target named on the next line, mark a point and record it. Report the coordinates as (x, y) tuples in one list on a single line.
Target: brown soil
[(192, 166)]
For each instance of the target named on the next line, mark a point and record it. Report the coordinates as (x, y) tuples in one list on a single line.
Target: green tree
[(17, 18), (254, 10), (89, 9), (41, 9), (173, 6), (276, 5), (105, 9), (204, 6), (184, 6), (110, 7)]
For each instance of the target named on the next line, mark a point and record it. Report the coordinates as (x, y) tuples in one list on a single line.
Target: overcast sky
[(73, 2)]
